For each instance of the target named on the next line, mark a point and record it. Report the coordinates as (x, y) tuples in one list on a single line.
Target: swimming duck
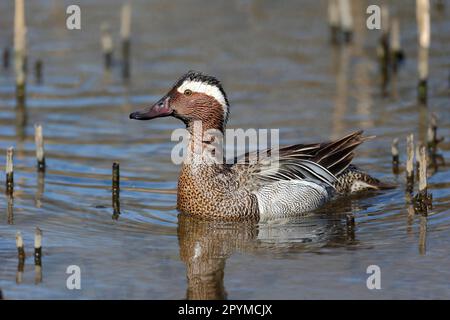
[(304, 177)]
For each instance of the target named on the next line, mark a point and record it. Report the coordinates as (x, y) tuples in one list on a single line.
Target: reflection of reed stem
[(6, 58), (38, 66), (116, 190), (350, 223), (10, 209), (40, 188), (423, 235)]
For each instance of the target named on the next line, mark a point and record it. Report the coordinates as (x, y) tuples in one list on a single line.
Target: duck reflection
[(205, 245)]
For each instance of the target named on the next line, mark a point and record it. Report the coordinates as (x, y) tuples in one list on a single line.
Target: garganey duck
[(303, 178)]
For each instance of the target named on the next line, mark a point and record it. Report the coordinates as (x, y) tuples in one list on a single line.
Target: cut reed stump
[(116, 190), (38, 256), (20, 52), (423, 23), (20, 256), (37, 246), (9, 169), (107, 45), (423, 200), (395, 156), (410, 163), (39, 141), (125, 28), (350, 225), (423, 234), (333, 21), (397, 54), (346, 19)]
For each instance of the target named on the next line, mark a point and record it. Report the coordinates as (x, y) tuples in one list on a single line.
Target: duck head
[(194, 97)]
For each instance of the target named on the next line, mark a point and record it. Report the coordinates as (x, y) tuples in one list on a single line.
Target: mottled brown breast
[(212, 191)]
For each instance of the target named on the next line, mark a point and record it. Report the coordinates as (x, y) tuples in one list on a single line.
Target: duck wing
[(319, 162)]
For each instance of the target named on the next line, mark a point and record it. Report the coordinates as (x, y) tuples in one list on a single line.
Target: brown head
[(194, 97)]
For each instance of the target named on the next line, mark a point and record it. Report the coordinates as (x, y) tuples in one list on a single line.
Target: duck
[(255, 186)]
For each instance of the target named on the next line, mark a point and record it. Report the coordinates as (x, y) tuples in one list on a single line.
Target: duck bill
[(160, 109)]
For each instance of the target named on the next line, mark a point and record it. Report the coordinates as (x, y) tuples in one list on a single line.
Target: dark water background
[(280, 71)]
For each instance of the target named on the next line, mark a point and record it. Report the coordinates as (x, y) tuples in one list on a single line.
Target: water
[(279, 71)]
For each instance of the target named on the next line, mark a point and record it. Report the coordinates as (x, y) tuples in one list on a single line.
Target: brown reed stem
[(21, 257), (333, 21), (397, 54), (350, 224), (37, 246), (125, 28), (20, 246), (39, 142), (346, 20), (9, 169), (423, 23), (107, 45), (410, 163), (395, 156), (423, 200)]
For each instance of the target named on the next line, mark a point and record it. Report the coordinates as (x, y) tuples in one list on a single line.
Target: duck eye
[(187, 92)]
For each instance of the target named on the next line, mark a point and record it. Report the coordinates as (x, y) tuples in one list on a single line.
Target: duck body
[(259, 185)]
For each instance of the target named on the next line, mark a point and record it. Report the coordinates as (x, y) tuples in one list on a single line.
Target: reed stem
[(423, 200), (107, 45), (20, 256), (9, 169), (20, 246), (410, 163), (333, 20), (423, 23), (346, 20), (20, 52), (384, 51), (37, 246), (125, 28), (39, 141), (397, 54), (395, 156)]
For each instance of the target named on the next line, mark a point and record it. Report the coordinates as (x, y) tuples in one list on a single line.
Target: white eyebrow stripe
[(200, 87)]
